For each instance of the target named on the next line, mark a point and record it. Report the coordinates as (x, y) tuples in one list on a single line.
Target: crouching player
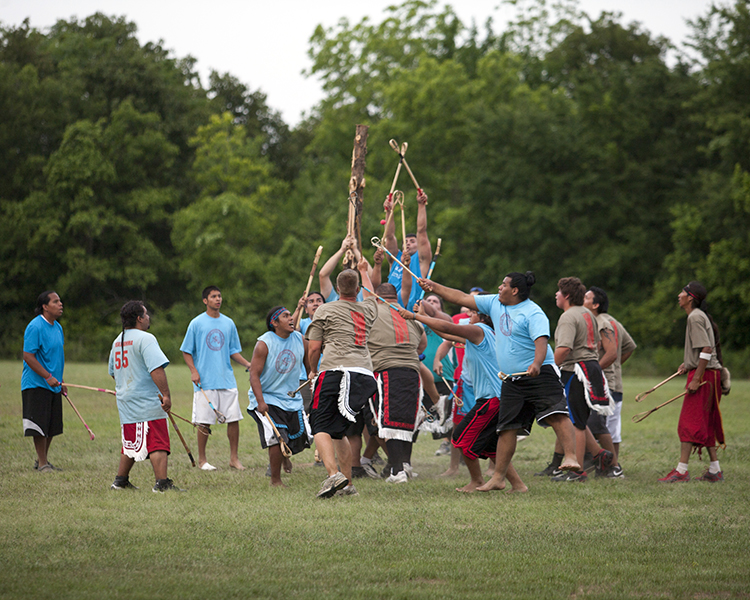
[(137, 363), (274, 371)]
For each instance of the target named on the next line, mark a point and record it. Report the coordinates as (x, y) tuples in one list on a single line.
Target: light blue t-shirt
[(516, 328), (46, 342), (333, 296), (395, 278), (481, 360), (211, 342), (467, 392), (131, 366), (281, 372)]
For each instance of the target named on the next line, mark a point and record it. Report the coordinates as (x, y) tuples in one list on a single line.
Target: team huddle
[(383, 362)]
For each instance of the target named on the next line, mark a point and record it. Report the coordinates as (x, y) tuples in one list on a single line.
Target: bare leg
[(355, 444), (506, 447), (344, 452), (275, 458), (580, 436), (475, 470), (712, 454), (453, 468), (686, 449), (490, 468), (428, 383), (565, 433), (324, 444), (126, 463), (373, 443), (159, 463), (233, 433), (616, 459), (605, 441), (202, 441), (514, 478), (41, 445)]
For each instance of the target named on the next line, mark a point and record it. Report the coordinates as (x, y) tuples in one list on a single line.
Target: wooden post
[(357, 187)]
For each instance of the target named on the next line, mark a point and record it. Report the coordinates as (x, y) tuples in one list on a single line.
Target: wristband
[(705, 356)]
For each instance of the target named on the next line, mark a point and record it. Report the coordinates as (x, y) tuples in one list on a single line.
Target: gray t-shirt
[(576, 330), (698, 335)]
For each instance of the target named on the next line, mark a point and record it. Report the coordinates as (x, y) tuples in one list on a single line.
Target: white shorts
[(614, 422), (225, 401)]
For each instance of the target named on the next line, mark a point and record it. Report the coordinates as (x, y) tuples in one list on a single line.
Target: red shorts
[(156, 440)]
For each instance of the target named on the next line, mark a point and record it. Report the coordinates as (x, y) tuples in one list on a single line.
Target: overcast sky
[(264, 43)]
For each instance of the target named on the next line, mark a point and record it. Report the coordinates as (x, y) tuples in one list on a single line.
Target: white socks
[(713, 467), (682, 468)]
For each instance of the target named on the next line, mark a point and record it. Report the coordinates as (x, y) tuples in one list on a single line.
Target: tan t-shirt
[(625, 344), (343, 327), (698, 335), (394, 341), (576, 330)]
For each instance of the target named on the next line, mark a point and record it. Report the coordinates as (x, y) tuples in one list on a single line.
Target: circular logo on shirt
[(506, 324), (285, 362), (215, 339)]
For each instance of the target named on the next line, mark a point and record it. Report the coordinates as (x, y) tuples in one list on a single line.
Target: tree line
[(564, 143)]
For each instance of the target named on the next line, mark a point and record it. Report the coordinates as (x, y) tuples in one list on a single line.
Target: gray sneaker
[(445, 448), (349, 490), (370, 471), (409, 471), (333, 484)]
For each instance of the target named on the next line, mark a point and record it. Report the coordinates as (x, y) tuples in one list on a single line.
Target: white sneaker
[(333, 484), (402, 477), (409, 471), (349, 490), (207, 467)]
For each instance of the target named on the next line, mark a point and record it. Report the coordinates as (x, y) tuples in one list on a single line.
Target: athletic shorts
[(476, 435), (614, 421), (325, 415), (363, 419), (597, 423), (42, 412), (529, 398), (292, 425), (225, 401), (138, 446), (578, 408), (398, 403)]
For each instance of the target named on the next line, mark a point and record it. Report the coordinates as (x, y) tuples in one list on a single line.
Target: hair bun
[(530, 278)]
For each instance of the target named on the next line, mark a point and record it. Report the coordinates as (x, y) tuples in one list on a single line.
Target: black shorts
[(597, 423), (476, 435), (529, 398), (291, 426), (42, 412), (398, 406), (578, 408), (325, 415), (306, 394), (364, 419)]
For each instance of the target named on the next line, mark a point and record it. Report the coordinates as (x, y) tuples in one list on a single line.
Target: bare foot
[(450, 472), (495, 483), (570, 464), (489, 473), (518, 489), (237, 465), (287, 464), (278, 483), (469, 488)]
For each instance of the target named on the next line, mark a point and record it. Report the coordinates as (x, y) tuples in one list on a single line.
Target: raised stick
[(219, 415), (456, 399), (640, 416), (309, 282), (393, 306), (642, 395), (91, 433), (93, 389), (285, 451), (375, 241), (394, 145), (404, 148), (179, 434), (293, 393)]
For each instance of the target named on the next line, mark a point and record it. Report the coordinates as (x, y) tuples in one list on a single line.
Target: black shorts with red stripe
[(325, 414), (476, 434)]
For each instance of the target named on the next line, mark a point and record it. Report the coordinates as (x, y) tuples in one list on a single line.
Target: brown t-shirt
[(343, 327), (394, 341), (698, 335), (576, 330), (624, 343)]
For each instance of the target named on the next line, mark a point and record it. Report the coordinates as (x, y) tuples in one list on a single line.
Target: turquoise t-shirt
[(481, 360), (46, 342), (281, 372), (131, 365), (211, 341), (449, 362)]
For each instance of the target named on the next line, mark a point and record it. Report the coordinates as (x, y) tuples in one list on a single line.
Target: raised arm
[(473, 333), (324, 275), (424, 249), (450, 294), (363, 267), (389, 237), (376, 273), (406, 281)]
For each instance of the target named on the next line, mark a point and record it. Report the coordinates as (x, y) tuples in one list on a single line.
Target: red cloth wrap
[(700, 418)]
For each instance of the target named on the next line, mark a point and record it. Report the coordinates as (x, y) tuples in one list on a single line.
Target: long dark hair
[(42, 300), (698, 294)]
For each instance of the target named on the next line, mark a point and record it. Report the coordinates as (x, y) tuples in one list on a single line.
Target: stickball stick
[(456, 399), (506, 377), (293, 393), (375, 241), (309, 282), (393, 306), (643, 395), (93, 389), (432, 265), (179, 434), (285, 451), (404, 148), (640, 416), (394, 145), (91, 433), (219, 415)]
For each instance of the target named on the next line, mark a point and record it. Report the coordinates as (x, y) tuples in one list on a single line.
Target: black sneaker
[(614, 472), (122, 483), (165, 485), (588, 462), (551, 469), (603, 461), (358, 472), (579, 476)]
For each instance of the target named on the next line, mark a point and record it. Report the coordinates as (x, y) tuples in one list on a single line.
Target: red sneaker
[(674, 476), (712, 477)]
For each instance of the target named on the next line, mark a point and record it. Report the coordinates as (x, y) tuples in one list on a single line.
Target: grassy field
[(66, 535)]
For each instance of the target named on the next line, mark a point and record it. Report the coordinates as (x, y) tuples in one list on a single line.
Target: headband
[(277, 314)]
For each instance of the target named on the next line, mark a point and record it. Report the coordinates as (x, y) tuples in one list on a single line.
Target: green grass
[(66, 535)]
